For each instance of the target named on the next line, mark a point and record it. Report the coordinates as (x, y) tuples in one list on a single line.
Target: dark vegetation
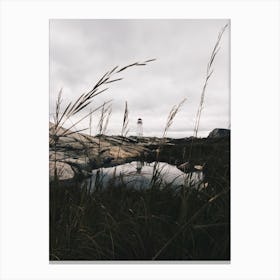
[(120, 223)]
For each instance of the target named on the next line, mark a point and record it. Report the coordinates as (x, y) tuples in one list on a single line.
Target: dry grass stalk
[(125, 128), (106, 111), (209, 72), (171, 117), (102, 125), (173, 112), (90, 122)]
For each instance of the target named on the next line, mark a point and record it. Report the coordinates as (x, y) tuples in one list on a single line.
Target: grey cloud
[(81, 51)]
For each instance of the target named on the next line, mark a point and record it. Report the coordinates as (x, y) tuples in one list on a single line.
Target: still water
[(140, 175)]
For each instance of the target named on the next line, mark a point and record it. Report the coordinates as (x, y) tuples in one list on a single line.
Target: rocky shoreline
[(76, 156)]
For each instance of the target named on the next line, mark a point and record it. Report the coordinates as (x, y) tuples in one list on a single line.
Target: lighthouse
[(139, 127), (139, 132)]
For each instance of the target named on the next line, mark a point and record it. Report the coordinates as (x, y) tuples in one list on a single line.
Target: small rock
[(219, 132)]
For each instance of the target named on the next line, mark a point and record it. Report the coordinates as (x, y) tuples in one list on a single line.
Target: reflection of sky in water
[(138, 176)]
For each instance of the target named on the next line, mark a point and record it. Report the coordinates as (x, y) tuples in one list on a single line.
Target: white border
[(255, 138)]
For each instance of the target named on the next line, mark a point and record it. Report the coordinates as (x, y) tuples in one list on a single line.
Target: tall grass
[(209, 72), (156, 177), (173, 112), (125, 128), (121, 223), (102, 127)]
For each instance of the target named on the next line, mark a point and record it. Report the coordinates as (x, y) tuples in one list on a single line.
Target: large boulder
[(219, 132)]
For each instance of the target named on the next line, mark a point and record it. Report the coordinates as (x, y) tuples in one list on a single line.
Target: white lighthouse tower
[(139, 132), (139, 128)]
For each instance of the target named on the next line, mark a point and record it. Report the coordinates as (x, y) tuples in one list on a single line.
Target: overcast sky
[(81, 51)]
